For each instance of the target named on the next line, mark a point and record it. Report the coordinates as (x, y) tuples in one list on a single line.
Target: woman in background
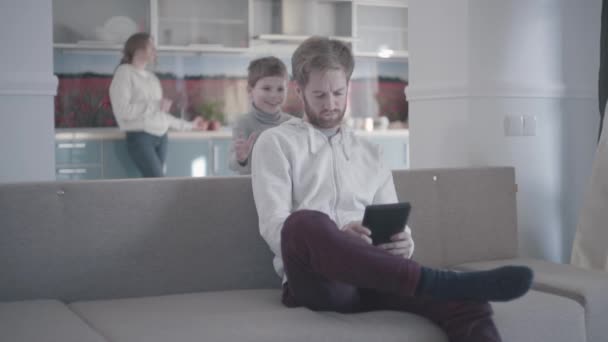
[(140, 108)]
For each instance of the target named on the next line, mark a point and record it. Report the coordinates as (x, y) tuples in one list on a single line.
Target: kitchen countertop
[(110, 133)]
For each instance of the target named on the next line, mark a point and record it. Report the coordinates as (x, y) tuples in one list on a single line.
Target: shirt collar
[(344, 137)]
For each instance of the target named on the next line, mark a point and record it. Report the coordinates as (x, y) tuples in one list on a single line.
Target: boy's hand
[(357, 229), (242, 147), (402, 244)]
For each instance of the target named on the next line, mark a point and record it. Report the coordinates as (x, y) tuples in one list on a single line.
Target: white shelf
[(383, 3), (296, 38), (201, 48), (88, 46), (69, 134), (119, 47), (203, 21), (380, 28), (396, 54)]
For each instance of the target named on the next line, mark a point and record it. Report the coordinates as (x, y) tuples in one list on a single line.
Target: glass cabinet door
[(280, 19), (382, 28), (209, 23), (98, 22)]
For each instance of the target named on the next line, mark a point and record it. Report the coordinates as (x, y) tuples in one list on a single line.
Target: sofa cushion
[(257, 315), (43, 320), (245, 315), (540, 316)]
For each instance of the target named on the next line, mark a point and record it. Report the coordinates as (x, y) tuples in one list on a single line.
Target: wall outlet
[(520, 125)]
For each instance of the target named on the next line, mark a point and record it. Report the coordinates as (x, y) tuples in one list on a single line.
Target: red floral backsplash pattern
[(83, 100)]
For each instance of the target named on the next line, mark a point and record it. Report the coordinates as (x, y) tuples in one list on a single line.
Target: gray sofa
[(182, 260)]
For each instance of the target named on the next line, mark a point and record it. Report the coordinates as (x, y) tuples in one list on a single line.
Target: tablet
[(386, 220)]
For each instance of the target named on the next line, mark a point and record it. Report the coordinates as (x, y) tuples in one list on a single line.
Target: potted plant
[(211, 112)]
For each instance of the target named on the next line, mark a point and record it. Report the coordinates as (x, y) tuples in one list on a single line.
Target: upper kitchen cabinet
[(285, 23), (376, 28), (381, 28), (98, 24), (201, 25)]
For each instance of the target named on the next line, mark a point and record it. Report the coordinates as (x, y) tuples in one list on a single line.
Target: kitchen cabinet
[(93, 159), (189, 158), (221, 153), (98, 24), (78, 159), (102, 153), (294, 20), (201, 24), (78, 152), (278, 26), (65, 173), (381, 28), (199, 157), (374, 27), (116, 160)]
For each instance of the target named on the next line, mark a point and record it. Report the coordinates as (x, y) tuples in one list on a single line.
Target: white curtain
[(590, 248)]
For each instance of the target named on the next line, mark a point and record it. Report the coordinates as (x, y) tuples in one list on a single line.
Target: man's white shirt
[(295, 167)]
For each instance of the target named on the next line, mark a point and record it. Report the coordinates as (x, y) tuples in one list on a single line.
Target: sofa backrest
[(143, 237), (461, 215), (130, 238)]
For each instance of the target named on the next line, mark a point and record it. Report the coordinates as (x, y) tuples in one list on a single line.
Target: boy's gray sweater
[(256, 122)]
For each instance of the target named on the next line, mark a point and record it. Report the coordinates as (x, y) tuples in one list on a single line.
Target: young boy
[(267, 88)]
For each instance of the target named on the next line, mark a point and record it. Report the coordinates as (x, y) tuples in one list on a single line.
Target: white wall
[(27, 87), (537, 58)]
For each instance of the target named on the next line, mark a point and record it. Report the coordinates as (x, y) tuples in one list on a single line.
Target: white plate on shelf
[(117, 29), (93, 42)]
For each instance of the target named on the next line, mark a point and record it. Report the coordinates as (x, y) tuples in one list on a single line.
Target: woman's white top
[(135, 95)]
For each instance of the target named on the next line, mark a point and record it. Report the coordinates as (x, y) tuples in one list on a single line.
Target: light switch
[(514, 125), (529, 129)]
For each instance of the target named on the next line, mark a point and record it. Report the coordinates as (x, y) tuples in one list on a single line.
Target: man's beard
[(319, 121)]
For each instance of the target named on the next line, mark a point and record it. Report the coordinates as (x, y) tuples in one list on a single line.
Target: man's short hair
[(265, 67), (321, 54)]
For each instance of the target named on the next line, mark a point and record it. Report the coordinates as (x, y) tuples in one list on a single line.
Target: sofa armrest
[(588, 288)]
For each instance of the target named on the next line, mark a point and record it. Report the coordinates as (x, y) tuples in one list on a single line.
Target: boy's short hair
[(265, 67), (321, 54)]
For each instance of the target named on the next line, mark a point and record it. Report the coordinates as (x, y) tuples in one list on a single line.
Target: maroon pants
[(329, 270)]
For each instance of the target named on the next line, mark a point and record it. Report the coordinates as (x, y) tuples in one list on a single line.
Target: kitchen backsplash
[(211, 83)]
